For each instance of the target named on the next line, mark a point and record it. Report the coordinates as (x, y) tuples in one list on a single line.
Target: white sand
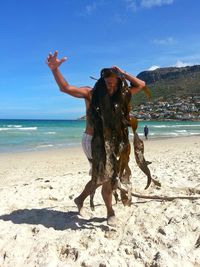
[(39, 225)]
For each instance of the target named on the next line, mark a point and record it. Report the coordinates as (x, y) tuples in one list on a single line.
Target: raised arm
[(136, 84), (53, 62)]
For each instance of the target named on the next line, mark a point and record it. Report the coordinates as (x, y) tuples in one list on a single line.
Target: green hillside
[(166, 83)]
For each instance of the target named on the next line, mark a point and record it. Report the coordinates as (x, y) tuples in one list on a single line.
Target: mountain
[(166, 83)]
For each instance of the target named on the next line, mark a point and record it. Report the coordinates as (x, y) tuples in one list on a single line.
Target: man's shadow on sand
[(50, 218)]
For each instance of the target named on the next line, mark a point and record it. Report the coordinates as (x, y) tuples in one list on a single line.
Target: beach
[(40, 226)]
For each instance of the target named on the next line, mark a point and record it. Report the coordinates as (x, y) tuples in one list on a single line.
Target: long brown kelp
[(109, 115), (110, 143), (139, 154)]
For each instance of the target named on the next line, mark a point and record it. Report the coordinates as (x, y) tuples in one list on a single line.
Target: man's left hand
[(120, 71)]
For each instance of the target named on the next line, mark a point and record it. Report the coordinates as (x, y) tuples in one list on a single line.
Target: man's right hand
[(53, 62)]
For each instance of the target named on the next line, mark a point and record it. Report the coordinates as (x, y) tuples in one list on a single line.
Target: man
[(85, 92), (146, 132)]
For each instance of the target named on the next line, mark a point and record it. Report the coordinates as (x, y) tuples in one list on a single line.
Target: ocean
[(34, 135)]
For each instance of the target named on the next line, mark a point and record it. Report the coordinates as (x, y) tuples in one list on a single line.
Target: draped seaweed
[(109, 115)]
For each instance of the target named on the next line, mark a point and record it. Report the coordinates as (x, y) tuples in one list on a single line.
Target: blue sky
[(136, 35)]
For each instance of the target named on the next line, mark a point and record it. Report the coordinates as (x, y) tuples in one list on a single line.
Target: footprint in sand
[(68, 253)]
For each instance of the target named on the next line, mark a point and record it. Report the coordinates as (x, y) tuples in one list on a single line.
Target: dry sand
[(40, 226)]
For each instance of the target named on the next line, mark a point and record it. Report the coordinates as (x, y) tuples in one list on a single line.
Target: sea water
[(33, 135)]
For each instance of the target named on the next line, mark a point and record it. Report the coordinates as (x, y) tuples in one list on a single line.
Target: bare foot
[(112, 221), (79, 205)]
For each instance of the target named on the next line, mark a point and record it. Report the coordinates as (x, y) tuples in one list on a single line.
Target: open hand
[(53, 62), (120, 71)]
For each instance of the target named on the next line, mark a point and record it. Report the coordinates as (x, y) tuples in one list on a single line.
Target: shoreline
[(80, 119), (50, 148), (56, 162)]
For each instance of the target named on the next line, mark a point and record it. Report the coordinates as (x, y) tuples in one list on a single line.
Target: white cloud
[(165, 41), (91, 8), (180, 64), (131, 4), (154, 67), (135, 4), (151, 3)]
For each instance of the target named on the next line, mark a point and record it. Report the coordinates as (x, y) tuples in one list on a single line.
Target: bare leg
[(107, 197), (92, 201), (88, 190)]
